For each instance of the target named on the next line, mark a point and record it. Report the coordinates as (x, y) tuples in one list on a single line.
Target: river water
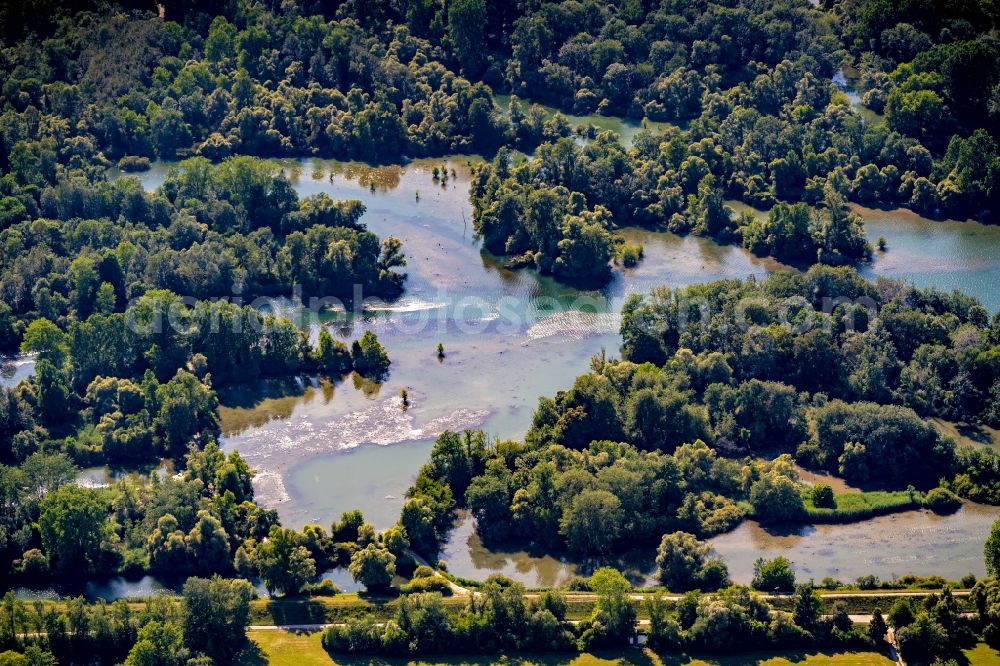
[(511, 337), (13, 369), (322, 448)]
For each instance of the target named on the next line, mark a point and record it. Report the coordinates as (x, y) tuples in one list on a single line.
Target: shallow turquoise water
[(626, 128), (15, 369), (946, 254)]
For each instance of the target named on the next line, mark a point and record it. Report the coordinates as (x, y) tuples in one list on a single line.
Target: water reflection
[(626, 128), (113, 588), (847, 80), (13, 369), (246, 406), (109, 589), (944, 254), (912, 542), (373, 478), (343, 579), (814, 478), (467, 556), (105, 476)]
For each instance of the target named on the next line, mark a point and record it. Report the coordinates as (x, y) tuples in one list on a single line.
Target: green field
[(983, 655), (856, 506), (282, 648), (974, 435)]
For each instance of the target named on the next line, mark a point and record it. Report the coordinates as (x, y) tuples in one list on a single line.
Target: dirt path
[(456, 589)]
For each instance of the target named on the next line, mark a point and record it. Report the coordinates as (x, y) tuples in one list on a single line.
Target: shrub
[(423, 571), (867, 582), (830, 583), (373, 567), (776, 499), (427, 584), (134, 563), (631, 255), (323, 588), (901, 614), (942, 500), (34, 563), (134, 163), (369, 356), (682, 564), (822, 497)]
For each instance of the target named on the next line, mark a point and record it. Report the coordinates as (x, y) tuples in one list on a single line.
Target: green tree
[(681, 560), (919, 113), (373, 567), (105, 299), (216, 616), (208, 544), (71, 520), (808, 607), (467, 22), (822, 496), (369, 356), (901, 614), (773, 575), (221, 40), (488, 498), (922, 641), (776, 498), (45, 339), (166, 545), (877, 628), (347, 529), (159, 644), (614, 617), (55, 405), (417, 520), (593, 522), (168, 130), (584, 251), (991, 551), (187, 413), (331, 356), (285, 565)]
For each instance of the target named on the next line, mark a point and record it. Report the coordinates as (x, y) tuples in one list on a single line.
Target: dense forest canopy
[(746, 87), (232, 230)]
